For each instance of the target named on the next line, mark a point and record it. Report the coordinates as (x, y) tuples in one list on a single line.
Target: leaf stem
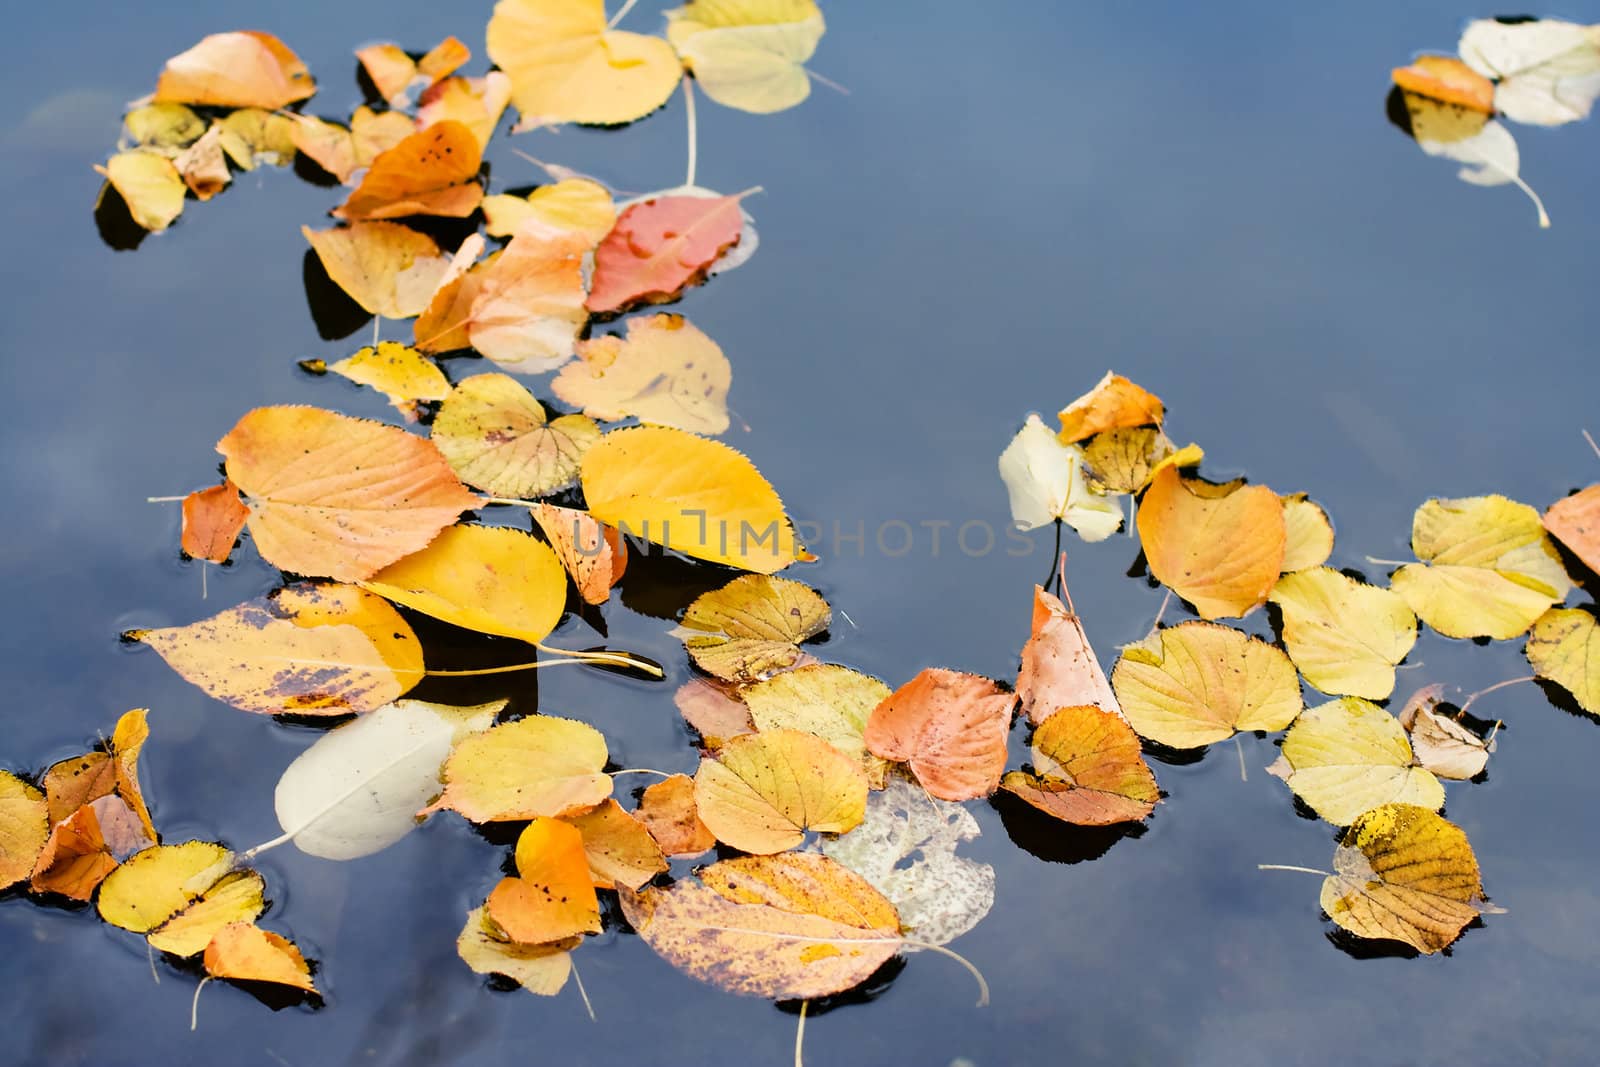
[(983, 985), (1592, 445), (194, 1005), (688, 110), (284, 838), (582, 992), (1291, 867), (162, 499), (1244, 775), (1390, 562), (1472, 698), (800, 1035), (641, 770), (621, 11), (829, 82)]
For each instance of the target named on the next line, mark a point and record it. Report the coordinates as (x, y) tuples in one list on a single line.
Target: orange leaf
[(69, 784), (528, 308), (127, 741), (86, 846), (245, 69), (950, 727), (1114, 403), (593, 554), (620, 848), (476, 103), (212, 519), (387, 269), (1220, 553), (1059, 668), (668, 811), (1447, 79), (661, 246), (431, 172), (1575, 522), (342, 152), (245, 952), (336, 496), (390, 69), (1088, 770), (552, 898)]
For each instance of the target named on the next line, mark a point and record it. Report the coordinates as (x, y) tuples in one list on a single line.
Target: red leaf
[(660, 247)]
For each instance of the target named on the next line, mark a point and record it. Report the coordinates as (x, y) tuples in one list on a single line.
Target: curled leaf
[(1442, 745), (1114, 403), (1059, 668), (1088, 770)]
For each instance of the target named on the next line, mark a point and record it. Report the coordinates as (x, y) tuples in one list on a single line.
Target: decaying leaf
[(235, 897), (763, 791), (1046, 482), (1405, 874), (714, 709), (1575, 522), (749, 54), (752, 627), (619, 846), (1198, 682), (551, 898), (661, 246), (572, 205), (1124, 460), (244, 952), (357, 789), (668, 812), (1114, 403), (1488, 569), (791, 926), (149, 184), (404, 375), (906, 847), (950, 728), (538, 766), (339, 497), (824, 699), (1221, 553), (86, 846), (494, 434), (203, 166), (165, 129), (24, 828), (158, 883), (309, 649), (1308, 534), (1088, 770), (245, 69), (1059, 667), (1349, 756), (667, 373), (1344, 635), (1547, 72), (541, 969), (1442, 744), (1565, 648), (431, 172), (690, 494), (391, 271), (212, 521), (593, 554)]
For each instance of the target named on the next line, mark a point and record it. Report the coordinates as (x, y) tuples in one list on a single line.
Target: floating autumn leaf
[(358, 788), (1447, 80), (540, 969), (387, 269), (527, 303), (335, 496), (309, 649), (431, 172), (668, 812), (395, 74), (594, 555), (689, 494), (661, 246), (24, 828), (619, 847), (1045, 480), (950, 728), (1488, 569), (343, 152), (1124, 460), (1113, 403), (714, 710), (442, 326), (489, 579), (476, 103), (538, 766), (1442, 744), (1404, 874), (203, 166), (1565, 648), (1348, 756), (165, 129), (494, 434), (1059, 668), (667, 373), (1198, 682), (1308, 535), (1344, 635), (127, 741), (1088, 770), (906, 847), (763, 791), (242, 951), (236, 897), (753, 626), (1575, 522), (750, 54), (252, 136), (567, 66), (149, 184), (792, 926), (69, 784), (212, 520), (404, 375), (1220, 553), (824, 699), (86, 846), (158, 883), (551, 899), (572, 205), (244, 69), (1547, 72)]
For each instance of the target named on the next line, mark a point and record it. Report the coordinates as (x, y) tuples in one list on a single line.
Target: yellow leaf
[(127, 741), (1198, 682), (476, 103), (156, 884), (1124, 460), (666, 373), (244, 69), (24, 828), (538, 766), (1565, 648), (573, 205), (389, 270), (1220, 553), (1488, 569), (1344, 635), (164, 129), (149, 184), (1349, 756), (594, 556), (619, 847), (252, 136), (1114, 403), (1309, 534), (784, 927), (692, 495), (494, 434), (402, 374), (763, 791), (748, 54), (753, 626), (310, 649), (1088, 770), (431, 172), (551, 898), (565, 66), (245, 952), (1405, 874), (827, 700), (236, 897), (540, 969)]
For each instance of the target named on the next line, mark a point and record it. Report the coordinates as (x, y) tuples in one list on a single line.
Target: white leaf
[(906, 847), (1548, 71), (1045, 480), (1491, 158), (357, 790)]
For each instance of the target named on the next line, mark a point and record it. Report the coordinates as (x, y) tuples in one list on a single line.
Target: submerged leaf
[(1344, 635), (538, 766), (1349, 756), (950, 728), (752, 627), (1221, 553), (763, 791), (714, 710), (1088, 770)]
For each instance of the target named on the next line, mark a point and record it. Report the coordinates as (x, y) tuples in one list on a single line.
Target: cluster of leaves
[(1542, 72), (1486, 569)]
